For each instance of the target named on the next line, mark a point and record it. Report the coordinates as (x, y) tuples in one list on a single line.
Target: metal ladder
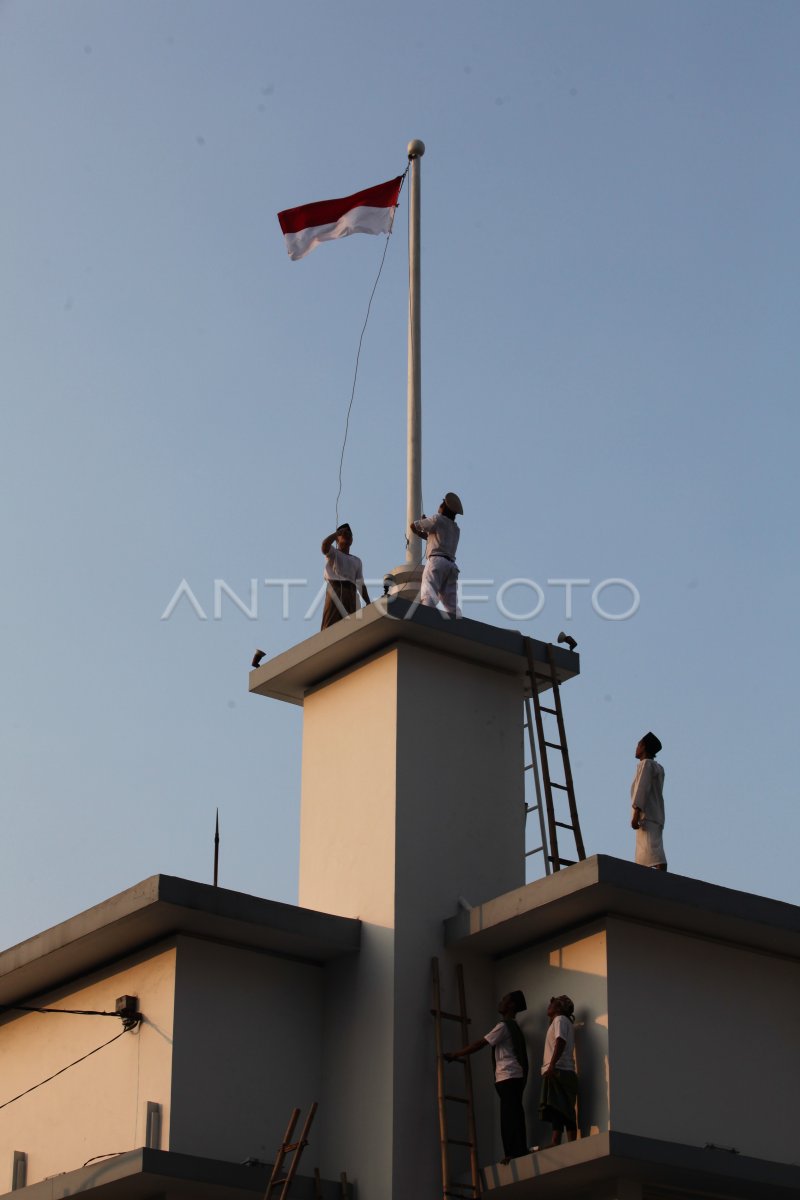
[(549, 833), (464, 1191), (538, 807), (284, 1182)]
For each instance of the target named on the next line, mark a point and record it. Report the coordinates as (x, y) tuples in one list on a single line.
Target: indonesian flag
[(370, 211)]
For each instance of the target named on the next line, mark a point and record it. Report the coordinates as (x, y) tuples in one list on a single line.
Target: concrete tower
[(412, 797)]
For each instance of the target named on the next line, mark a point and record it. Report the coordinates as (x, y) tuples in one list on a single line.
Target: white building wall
[(248, 1048), (347, 850), (574, 964), (356, 1109), (704, 1042), (347, 817), (97, 1107), (412, 797), (460, 833)]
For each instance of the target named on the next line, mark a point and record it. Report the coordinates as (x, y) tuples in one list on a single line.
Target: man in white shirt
[(344, 576), (510, 1072), (559, 1092), (440, 577), (647, 798)]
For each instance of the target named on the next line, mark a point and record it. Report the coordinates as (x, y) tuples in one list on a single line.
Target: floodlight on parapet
[(564, 639)]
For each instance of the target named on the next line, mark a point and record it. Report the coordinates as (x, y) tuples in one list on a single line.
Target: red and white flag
[(370, 211)]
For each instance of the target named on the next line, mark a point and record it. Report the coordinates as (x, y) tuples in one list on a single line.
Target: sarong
[(558, 1097), (341, 599), (649, 846)]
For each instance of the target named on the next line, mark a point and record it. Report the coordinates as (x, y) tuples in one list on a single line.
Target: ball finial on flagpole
[(416, 149)]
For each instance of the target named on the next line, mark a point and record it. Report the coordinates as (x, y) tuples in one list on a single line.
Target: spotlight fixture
[(565, 640), (257, 657)]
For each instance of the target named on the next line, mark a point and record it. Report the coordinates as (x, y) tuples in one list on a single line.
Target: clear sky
[(610, 382)]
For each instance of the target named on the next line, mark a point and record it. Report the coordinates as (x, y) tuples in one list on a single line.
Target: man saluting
[(344, 576), (440, 577)]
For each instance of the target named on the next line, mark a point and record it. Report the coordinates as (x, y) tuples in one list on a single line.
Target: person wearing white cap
[(440, 577)]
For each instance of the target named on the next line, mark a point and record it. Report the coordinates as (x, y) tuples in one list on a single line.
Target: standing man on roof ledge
[(647, 798), (344, 576), (440, 577)]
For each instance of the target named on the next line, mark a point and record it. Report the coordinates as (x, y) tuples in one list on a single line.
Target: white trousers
[(440, 583)]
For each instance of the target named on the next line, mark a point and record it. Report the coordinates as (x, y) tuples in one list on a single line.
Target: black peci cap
[(651, 744)]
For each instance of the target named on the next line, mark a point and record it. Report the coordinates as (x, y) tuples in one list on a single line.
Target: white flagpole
[(416, 149)]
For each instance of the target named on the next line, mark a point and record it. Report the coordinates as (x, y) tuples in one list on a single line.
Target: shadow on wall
[(578, 969), (591, 1060)]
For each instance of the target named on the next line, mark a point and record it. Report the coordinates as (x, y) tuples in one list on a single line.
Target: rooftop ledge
[(602, 886), (146, 1172), (589, 1167), (389, 621), (160, 907)]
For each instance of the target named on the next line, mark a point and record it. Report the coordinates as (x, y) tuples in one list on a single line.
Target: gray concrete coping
[(386, 622), (589, 1169), (144, 1174), (602, 886), (159, 907)]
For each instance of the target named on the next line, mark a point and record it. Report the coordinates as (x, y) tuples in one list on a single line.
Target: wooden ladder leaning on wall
[(450, 1187), (345, 1191), (276, 1179)]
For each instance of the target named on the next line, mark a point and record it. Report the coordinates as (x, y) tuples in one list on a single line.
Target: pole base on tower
[(404, 581)]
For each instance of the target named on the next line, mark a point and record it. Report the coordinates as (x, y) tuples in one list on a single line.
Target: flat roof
[(573, 1171), (603, 886), (578, 1170), (143, 1174), (159, 907), (391, 620)]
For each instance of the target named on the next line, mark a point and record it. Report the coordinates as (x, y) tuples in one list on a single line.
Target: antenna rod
[(216, 852), (416, 149)]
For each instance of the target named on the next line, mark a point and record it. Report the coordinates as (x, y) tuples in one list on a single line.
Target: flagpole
[(416, 149)]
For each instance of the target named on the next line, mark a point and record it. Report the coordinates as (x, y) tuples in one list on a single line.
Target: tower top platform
[(390, 621)]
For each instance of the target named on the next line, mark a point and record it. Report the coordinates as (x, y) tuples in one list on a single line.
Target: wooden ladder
[(345, 1191), (284, 1182), (464, 1191), (548, 680)]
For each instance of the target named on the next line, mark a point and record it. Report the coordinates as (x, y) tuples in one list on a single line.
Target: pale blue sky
[(610, 378)]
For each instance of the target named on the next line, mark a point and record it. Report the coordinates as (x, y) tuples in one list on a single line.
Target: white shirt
[(443, 535), (506, 1064), (343, 568), (647, 790), (560, 1027)]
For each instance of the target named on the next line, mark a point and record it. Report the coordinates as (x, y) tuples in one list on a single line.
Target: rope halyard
[(360, 341)]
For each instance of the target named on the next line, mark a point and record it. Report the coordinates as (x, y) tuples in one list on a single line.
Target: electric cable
[(72, 1012), (360, 340), (55, 1074), (108, 1154)]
